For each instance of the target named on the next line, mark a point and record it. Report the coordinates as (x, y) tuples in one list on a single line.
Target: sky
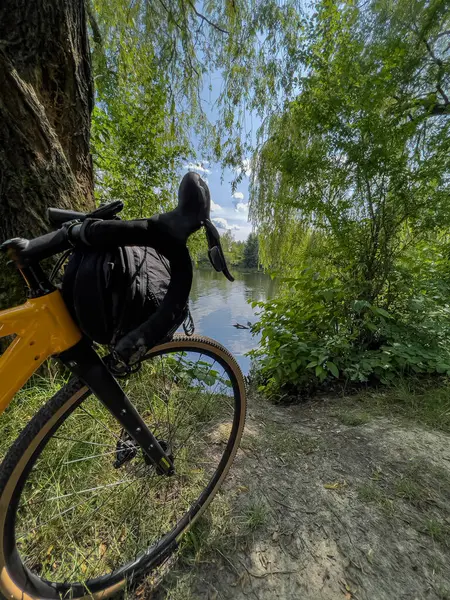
[(228, 210)]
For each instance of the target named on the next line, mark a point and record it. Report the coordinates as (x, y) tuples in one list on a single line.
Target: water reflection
[(216, 305)]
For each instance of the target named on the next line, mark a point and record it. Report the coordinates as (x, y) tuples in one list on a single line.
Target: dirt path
[(325, 503)]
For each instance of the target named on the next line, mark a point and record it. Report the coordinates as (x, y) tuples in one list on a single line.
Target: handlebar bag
[(110, 293)]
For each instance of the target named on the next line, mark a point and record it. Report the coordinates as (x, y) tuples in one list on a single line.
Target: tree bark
[(46, 98)]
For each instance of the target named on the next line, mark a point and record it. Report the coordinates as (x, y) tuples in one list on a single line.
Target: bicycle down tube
[(43, 327)]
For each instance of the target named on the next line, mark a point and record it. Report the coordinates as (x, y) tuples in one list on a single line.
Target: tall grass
[(80, 517), (421, 401)]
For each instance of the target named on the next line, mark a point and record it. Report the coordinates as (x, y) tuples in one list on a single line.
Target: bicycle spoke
[(164, 385), (75, 460), (101, 423), (187, 437), (100, 517), (128, 509), (85, 491), (165, 503), (103, 487), (112, 497), (67, 439), (187, 404)]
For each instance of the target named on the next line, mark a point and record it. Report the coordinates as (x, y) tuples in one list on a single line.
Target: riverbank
[(335, 498), (206, 265)]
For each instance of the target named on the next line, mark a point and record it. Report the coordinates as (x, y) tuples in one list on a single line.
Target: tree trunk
[(46, 98)]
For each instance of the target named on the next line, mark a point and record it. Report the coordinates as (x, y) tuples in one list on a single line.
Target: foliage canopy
[(351, 196), (350, 188)]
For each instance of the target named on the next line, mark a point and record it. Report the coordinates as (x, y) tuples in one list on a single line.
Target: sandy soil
[(317, 509)]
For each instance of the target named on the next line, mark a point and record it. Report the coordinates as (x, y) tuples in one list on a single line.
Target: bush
[(316, 334)]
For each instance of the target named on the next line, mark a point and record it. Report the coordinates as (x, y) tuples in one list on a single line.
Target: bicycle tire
[(17, 581)]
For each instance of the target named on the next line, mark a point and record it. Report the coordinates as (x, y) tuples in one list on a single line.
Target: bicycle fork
[(86, 364)]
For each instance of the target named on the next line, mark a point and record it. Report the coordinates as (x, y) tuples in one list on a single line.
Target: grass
[(410, 491), (353, 418), (255, 515), (183, 588), (443, 592), (437, 530), (420, 401), (213, 532), (369, 492), (372, 493), (421, 485), (385, 489), (24, 406), (288, 444), (228, 523)]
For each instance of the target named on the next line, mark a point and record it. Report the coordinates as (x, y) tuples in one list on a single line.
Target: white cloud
[(241, 207), (242, 234), (246, 167), (200, 167), (216, 207), (222, 223)]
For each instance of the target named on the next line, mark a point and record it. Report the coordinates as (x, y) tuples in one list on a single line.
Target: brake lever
[(215, 252)]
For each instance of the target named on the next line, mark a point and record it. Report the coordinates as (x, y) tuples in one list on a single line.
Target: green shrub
[(316, 334)]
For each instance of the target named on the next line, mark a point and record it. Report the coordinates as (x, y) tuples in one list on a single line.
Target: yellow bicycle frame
[(43, 327)]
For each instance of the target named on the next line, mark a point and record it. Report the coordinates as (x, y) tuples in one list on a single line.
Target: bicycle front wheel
[(81, 511)]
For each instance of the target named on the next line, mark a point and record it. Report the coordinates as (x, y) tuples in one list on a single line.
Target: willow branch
[(204, 18), (96, 34)]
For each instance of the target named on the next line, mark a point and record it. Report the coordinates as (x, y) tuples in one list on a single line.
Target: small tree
[(227, 241), (251, 250), (359, 162), (351, 198)]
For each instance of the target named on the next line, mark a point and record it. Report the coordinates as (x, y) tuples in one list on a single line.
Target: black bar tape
[(141, 232), (45, 246)]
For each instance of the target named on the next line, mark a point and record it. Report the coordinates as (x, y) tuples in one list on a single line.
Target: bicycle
[(105, 479)]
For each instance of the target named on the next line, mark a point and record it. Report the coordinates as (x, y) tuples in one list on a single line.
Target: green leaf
[(383, 313), (319, 371), (333, 368), (360, 304)]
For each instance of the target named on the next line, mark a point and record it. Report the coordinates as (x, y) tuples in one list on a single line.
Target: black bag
[(110, 293)]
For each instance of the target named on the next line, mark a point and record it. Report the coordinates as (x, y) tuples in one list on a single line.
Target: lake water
[(217, 305)]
